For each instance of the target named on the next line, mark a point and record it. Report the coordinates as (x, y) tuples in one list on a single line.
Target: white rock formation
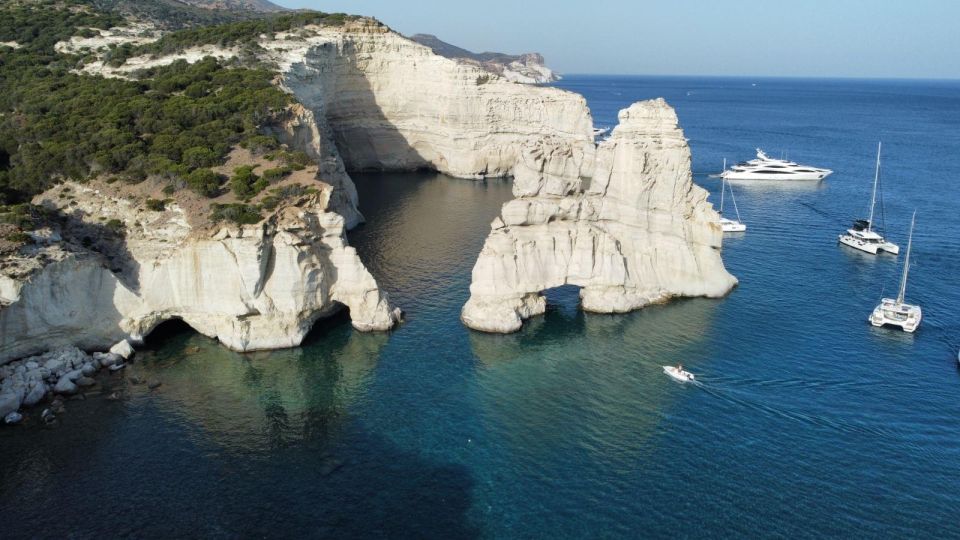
[(375, 100), (393, 104), (642, 232), (252, 287)]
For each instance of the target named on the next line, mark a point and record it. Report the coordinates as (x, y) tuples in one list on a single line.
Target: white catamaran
[(727, 224), (897, 312), (862, 236)]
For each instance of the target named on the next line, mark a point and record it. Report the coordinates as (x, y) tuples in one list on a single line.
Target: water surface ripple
[(807, 422)]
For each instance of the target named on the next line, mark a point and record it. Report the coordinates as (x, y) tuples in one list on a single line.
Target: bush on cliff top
[(238, 33), (55, 124)]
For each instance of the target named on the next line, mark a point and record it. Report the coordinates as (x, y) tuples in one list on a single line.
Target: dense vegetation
[(174, 122), (243, 33)]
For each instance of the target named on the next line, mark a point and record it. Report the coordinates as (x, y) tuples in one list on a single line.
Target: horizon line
[(768, 77)]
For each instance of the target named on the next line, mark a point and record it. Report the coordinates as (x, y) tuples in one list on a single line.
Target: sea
[(806, 421)]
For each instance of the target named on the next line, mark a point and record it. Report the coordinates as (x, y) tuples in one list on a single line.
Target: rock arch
[(642, 233)]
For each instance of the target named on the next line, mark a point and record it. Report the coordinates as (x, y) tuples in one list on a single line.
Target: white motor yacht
[(897, 312), (767, 168), (862, 236), (727, 224)]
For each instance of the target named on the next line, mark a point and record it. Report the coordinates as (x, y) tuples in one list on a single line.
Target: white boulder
[(123, 349)]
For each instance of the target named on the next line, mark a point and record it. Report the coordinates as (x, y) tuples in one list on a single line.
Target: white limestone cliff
[(375, 100), (642, 232), (393, 104), (252, 287)]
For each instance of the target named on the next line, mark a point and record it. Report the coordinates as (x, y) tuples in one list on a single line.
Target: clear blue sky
[(838, 38)]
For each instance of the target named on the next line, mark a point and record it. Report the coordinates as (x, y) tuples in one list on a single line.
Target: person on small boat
[(680, 368)]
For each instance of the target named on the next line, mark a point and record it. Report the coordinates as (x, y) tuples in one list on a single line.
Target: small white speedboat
[(678, 374)]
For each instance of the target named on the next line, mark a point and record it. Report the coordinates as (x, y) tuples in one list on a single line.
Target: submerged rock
[(9, 402), (12, 418), (65, 386), (35, 394)]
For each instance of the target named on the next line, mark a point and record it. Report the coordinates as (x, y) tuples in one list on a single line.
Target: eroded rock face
[(642, 232), (392, 104), (252, 287)]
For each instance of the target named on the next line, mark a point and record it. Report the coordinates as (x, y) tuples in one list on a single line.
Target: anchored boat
[(897, 312), (862, 236), (767, 168), (727, 224)]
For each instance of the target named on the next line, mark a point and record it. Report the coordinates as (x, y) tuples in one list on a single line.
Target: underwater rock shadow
[(366, 487)]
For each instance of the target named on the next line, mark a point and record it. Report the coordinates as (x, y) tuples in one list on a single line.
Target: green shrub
[(241, 214), (115, 226), (204, 181), (156, 205), (259, 144), (245, 183), (272, 175), (297, 160), (18, 237), (199, 156)]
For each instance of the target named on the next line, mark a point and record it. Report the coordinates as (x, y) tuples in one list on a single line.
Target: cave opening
[(564, 299), (169, 331), (327, 326)]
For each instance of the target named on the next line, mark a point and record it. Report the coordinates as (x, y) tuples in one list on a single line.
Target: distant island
[(528, 68)]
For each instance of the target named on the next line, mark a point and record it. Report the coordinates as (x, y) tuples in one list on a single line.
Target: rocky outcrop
[(252, 287), (392, 104), (375, 100), (528, 68), (642, 232)]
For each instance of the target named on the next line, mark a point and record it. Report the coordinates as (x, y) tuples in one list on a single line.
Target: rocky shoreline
[(52, 376)]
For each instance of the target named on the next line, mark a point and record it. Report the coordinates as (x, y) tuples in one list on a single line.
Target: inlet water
[(808, 421)]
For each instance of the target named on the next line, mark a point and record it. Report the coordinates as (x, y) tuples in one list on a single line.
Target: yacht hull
[(791, 177), (868, 247)]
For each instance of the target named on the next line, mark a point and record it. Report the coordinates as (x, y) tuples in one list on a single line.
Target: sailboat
[(898, 312), (862, 236), (727, 224)]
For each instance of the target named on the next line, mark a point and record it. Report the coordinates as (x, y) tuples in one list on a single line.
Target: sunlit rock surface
[(252, 287), (642, 232)]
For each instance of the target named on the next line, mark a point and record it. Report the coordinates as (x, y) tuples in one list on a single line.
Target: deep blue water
[(808, 422)]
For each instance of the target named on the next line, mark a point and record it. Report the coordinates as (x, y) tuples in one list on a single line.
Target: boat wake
[(736, 397)]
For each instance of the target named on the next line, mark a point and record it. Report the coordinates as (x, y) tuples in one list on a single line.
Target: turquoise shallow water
[(808, 422)]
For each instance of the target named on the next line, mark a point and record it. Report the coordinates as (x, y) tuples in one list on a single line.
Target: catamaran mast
[(873, 198), (906, 262)]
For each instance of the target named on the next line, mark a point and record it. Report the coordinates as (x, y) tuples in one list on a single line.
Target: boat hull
[(678, 375), (731, 226), (791, 177), (902, 316), (868, 247)]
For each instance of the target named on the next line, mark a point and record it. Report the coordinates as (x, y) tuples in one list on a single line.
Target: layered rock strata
[(252, 287), (392, 104), (375, 100), (642, 232)]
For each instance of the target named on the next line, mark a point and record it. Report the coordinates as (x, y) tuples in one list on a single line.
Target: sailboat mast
[(906, 262), (723, 189), (873, 198)]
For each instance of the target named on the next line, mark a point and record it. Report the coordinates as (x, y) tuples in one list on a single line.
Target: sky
[(805, 38)]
